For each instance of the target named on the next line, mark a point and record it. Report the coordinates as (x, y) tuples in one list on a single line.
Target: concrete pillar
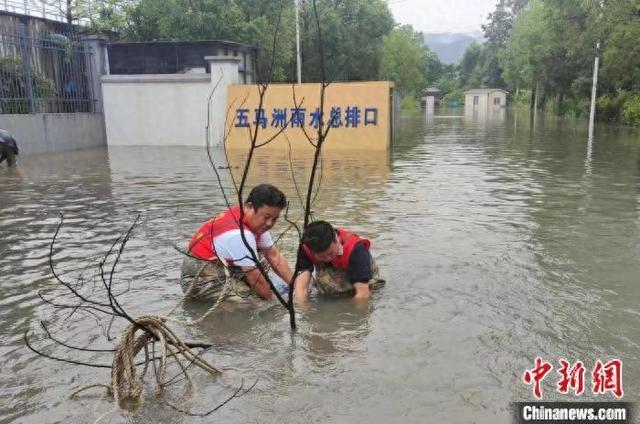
[(97, 65), (224, 72)]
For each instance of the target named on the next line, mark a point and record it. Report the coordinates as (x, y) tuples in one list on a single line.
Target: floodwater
[(501, 239)]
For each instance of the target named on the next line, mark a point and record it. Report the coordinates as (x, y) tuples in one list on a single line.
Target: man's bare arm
[(362, 291), (278, 263), (301, 288), (257, 282)]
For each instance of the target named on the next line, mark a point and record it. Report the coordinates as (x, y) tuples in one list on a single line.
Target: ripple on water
[(497, 245)]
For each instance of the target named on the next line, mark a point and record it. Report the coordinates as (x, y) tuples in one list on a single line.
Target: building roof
[(485, 91), (182, 43)]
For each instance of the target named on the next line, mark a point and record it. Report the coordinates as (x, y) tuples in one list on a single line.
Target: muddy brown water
[(501, 239)]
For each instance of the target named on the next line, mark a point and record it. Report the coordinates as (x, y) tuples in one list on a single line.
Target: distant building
[(430, 97), (485, 98)]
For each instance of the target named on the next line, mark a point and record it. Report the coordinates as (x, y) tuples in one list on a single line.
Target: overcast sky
[(442, 15)]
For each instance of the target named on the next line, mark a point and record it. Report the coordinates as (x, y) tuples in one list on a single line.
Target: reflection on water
[(346, 183), (485, 116), (501, 238)]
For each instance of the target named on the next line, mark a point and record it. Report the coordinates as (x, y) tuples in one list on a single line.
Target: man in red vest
[(222, 254), (342, 263)]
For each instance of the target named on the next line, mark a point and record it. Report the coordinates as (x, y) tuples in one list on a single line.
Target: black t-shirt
[(359, 264)]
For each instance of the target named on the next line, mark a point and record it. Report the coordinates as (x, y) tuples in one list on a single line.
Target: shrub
[(453, 98), (13, 87), (609, 107), (409, 103), (631, 111), (569, 107)]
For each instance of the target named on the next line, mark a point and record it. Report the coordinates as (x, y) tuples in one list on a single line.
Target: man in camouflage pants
[(221, 256), (341, 260)]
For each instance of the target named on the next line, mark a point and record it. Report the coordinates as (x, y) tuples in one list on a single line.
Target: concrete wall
[(55, 132), (161, 110), (171, 110)]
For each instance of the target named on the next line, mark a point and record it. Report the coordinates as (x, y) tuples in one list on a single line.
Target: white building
[(485, 98)]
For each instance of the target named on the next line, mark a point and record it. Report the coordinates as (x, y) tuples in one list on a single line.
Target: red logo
[(571, 378), (605, 377), (608, 378), (536, 375)]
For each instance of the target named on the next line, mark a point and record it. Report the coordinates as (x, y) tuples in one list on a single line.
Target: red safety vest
[(201, 245), (348, 240)]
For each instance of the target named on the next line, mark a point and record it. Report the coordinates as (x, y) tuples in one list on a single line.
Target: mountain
[(451, 47)]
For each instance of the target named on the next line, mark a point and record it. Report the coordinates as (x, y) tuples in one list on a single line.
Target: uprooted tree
[(149, 341)]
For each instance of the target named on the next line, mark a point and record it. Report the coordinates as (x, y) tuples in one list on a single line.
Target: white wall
[(482, 101), (55, 132), (162, 110), (485, 101), (497, 94), (224, 72)]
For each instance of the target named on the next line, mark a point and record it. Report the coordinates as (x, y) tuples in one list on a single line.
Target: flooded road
[(500, 241)]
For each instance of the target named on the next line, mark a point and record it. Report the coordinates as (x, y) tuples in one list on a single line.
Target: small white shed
[(485, 98)]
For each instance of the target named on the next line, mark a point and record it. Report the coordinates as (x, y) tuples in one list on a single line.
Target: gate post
[(25, 46), (96, 65), (224, 72)]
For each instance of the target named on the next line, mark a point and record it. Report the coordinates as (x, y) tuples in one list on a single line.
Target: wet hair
[(266, 195), (318, 236)]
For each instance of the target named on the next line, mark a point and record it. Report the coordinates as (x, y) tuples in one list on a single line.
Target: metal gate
[(47, 72)]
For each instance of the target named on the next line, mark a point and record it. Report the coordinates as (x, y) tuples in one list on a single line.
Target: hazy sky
[(442, 15)]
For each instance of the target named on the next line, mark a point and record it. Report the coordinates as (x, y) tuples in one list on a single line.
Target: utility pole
[(298, 56), (594, 87)]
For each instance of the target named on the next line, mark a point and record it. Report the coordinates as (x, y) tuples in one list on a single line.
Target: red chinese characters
[(536, 375), (571, 378), (608, 377), (604, 377)]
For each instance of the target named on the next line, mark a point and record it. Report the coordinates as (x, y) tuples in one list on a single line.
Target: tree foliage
[(360, 40), (353, 31), (550, 45), (404, 60), (500, 22)]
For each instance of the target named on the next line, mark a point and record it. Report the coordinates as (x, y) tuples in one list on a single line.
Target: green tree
[(352, 32), (249, 21), (620, 46), (404, 60), (101, 15), (500, 22), (186, 20), (469, 62), (434, 68), (110, 16), (528, 49), (550, 48)]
